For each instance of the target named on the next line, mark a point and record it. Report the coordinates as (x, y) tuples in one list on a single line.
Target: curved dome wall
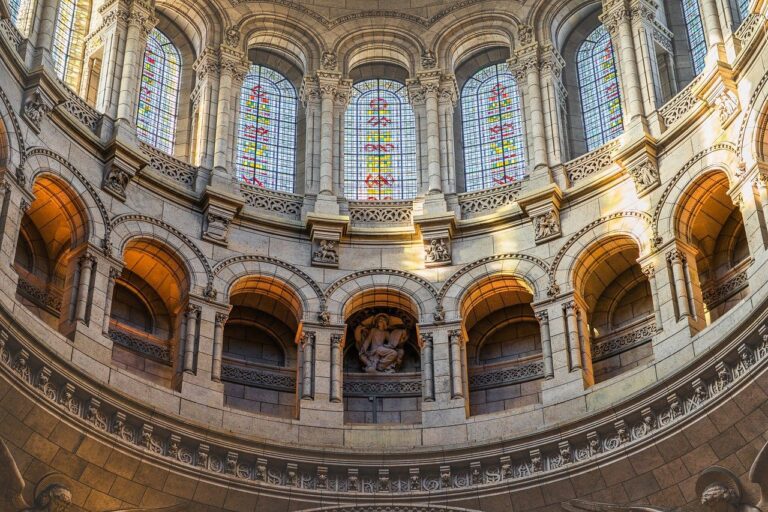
[(240, 306)]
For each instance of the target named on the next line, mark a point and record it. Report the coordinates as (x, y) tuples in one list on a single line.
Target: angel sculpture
[(51, 494), (379, 346)]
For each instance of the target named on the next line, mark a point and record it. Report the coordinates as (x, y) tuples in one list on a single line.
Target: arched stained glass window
[(159, 93), (695, 29), (266, 132), (68, 35), (379, 143), (494, 142), (599, 89)]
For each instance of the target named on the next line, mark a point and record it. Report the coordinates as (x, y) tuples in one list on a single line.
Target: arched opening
[(147, 311), (618, 301), (52, 236), (382, 359), (259, 347), (709, 222), (504, 356)]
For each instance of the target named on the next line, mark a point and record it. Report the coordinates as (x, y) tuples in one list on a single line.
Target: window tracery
[(695, 30), (266, 132), (494, 147), (159, 93), (379, 143)]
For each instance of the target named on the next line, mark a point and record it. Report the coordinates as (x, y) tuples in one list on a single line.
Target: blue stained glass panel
[(379, 143), (159, 93), (599, 89), (64, 35), (695, 29), (266, 132), (744, 9), (494, 141)]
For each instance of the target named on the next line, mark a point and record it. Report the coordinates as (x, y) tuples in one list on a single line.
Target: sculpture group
[(380, 342)]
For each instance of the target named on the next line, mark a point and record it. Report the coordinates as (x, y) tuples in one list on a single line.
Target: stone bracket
[(543, 207), (123, 162), (326, 232), (220, 209), (718, 90), (639, 161), (436, 233)]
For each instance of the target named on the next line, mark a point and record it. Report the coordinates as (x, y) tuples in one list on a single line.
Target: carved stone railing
[(475, 204), (144, 344), (396, 384), (727, 286), (46, 299), (281, 204), (510, 373), (591, 163), (381, 212), (750, 28), (172, 168), (680, 104), (10, 31), (277, 379), (624, 339), (81, 111)]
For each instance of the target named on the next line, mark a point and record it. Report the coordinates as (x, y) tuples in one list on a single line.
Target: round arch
[(11, 142), (530, 270), (720, 156), (228, 272), (338, 294), (40, 161), (633, 224), (128, 227)]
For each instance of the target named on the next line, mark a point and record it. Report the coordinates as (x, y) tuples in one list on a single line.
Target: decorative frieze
[(170, 167), (513, 374), (141, 345), (281, 204), (259, 377), (625, 339), (591, 163), (475, 204), (381, 212)]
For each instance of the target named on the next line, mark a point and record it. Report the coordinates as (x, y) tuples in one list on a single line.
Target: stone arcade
[(406, 256)]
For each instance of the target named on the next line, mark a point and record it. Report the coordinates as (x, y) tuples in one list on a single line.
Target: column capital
[(207, 64), (232, 62), (310, 91), (221, 318)]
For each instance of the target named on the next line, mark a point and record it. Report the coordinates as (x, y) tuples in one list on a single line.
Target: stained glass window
[(379, 143), (266, 132), (67, 36), (159, 93), (695, 29), (494, 147), (743, 9), (599, 89), (19, 10)]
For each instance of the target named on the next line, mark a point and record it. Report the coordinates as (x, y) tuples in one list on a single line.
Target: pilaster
[(451, 394)]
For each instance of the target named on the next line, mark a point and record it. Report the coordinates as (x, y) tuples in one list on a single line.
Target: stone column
[(337, 367), (711, 21), (307, 345), (676, 259), (45, 27), (328, 93), (650, 272), (427, 368), (114, 273), (446, 103), (643, 26), (141, 21), (574, 338), (207, 69), (192, 315), (554, 95), (457, 373), (218, 345), (618, 22), (233, 69), (525, 64), (113, 34), (431, 90), (86, 263), (311, 99), (546, 344)]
